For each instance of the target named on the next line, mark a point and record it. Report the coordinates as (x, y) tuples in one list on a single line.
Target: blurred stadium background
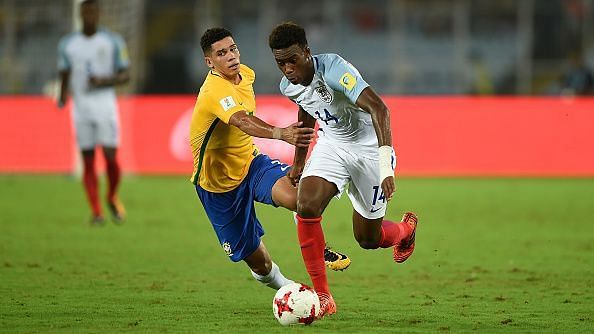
[(496, 155), (484, 47)]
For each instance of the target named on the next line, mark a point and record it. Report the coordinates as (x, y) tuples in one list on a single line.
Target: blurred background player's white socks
[(274, 279)]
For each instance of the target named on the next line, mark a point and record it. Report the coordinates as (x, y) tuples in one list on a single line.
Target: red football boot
[(327, 305), (404, 249)]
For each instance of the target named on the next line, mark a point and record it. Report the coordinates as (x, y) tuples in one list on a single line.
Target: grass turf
[(493, 255)]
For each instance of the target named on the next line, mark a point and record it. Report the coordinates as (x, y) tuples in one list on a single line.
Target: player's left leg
[(108, 136), (116, 207), (370, 228), (379, 233)]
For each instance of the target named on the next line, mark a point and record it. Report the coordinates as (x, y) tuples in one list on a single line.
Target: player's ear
[(307, 51), (208, 62)]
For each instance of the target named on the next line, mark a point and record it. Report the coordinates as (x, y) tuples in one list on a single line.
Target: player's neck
[(236, 79), (89, 31), (309, 76)]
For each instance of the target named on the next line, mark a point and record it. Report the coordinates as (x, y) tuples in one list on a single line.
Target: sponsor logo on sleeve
[(227, 103), (348, 81)]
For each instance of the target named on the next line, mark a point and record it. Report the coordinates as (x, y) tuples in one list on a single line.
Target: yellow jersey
[(222, 152)]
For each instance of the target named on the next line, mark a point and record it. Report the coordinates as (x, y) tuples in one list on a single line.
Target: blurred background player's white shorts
[(96, 123), (357, 168)]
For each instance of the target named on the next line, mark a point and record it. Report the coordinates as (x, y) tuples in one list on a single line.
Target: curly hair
[(286, 34), (211, 36)]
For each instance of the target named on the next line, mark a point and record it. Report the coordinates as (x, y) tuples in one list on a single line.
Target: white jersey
[(331, 99), (95, 109), (100, 55)]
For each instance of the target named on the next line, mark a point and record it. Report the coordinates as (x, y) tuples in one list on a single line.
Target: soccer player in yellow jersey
[(229, 172)]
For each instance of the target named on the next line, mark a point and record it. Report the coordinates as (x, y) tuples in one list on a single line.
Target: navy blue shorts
[(233, 215)]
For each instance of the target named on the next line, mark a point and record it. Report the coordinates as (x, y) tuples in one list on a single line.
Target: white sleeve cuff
[(387, 162)]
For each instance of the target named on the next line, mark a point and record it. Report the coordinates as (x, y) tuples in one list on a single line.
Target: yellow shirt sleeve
[(223, 105)]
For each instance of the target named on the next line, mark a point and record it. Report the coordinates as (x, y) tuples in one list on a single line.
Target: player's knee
[(366, 243), (308, 208)]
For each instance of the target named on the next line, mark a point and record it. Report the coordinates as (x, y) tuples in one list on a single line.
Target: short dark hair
[(286, 34), (211, 36)]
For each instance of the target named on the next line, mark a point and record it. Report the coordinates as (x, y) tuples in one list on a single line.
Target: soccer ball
[(295, 303)]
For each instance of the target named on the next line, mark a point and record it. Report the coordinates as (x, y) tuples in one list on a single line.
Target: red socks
[(90, 183), (113, 176), (311, 240), (392, 233)]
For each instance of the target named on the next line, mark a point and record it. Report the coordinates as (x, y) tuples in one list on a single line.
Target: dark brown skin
[(314, 193)]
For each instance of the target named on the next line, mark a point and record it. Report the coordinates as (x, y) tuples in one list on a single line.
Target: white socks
[(274, 279)]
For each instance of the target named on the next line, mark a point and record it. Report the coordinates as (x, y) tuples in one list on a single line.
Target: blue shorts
[(233, 215)]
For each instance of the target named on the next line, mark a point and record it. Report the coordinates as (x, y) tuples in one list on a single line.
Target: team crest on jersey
[(227, 103), (324, 94), (227, 249)]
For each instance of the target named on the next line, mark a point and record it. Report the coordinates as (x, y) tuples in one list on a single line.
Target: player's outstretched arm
[(294, 134), (301, 152), (369, 101), (63, 95)]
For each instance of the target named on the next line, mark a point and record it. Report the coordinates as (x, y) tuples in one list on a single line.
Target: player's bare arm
[(369, 101), (294, 134), (122, 77), (301, 152), (63, 96)]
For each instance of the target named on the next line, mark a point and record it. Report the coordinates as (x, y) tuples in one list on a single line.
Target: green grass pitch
[(493, 255)]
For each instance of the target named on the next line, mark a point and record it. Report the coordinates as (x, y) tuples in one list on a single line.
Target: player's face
[(90, 15), (224, 58), (295, 63)]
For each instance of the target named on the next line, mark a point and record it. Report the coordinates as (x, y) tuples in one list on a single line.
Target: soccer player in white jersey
[(354, 148), (92, 62)]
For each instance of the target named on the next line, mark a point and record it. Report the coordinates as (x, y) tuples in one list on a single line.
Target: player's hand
[(388, 187), (296, 135), (95, 82), (61, 102), (294, 175)]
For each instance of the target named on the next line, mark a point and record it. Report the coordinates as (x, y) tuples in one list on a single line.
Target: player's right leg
[(86, 137), (273, 188), (91, 184), (264, 270), (314, 195)]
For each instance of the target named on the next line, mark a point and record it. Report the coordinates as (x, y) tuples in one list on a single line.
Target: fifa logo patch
[(348, 81), (227, 103), (227, 249), (324, 94)]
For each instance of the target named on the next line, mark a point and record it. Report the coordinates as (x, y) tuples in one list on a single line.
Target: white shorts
[(349, 166), (96, 124)]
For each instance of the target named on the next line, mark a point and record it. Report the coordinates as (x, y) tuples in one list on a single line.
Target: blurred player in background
[(229, 171), (354, 148), (92, 62)]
